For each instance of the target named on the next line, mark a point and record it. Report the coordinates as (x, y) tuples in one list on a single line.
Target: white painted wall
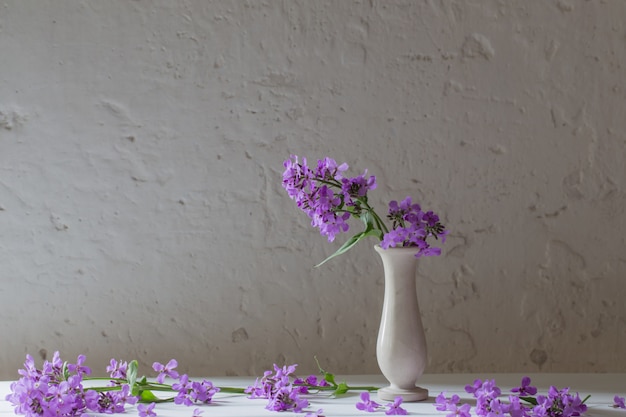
[(141, 149)]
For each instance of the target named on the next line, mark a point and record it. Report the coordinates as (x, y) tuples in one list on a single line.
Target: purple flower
[(182, 386), (78, 368), (108, 403), (278, 388), (296, 177), (618, 402), (197, 412), (165, 370), (30, 370), (111, 402), (405, 210), (90, 398), (327, 169), (483, 389), (542, 407), (495, 408), (54, 368), (61, 398), (257, 390), (485, 393), (394, 408), (441, 402), (525, 389), (515, 408), (117, 369), (203, 391), (357, 187), (411, 227), (318, 413), (312, 380), (366, 404), (451, 405), (559, 403), (287, 399), (125, 397), (573, 405), (430, 218), (146, 410)]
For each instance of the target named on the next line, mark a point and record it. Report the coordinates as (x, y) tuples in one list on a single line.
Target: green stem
[(362, 388), (379, 222), (232, 390), (144, 386), (334, 386), (149, 386)]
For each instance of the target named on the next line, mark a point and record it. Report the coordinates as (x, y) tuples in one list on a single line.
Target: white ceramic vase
[(401, 345)]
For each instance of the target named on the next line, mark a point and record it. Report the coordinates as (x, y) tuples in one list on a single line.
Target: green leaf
[(529, 400), (368, 220), (350, 243), (342, 388), (65, 371), (131, 374), (330, 378), (148, 397), (318, 365)]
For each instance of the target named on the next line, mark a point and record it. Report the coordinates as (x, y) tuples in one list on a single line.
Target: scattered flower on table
[(489, 402), (394, 408), (366, 404), (371, 406), (165, 370), (330, 199), (451, 406), (146, 410), (525, 389), (56, 390), (284, 390)]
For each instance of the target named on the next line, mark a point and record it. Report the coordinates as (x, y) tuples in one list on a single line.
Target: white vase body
[(401, 346)]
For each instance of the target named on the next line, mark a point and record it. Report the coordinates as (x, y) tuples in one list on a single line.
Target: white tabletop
[(601, 387)]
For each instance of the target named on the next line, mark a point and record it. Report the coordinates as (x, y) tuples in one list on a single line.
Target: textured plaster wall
[(141, 149)]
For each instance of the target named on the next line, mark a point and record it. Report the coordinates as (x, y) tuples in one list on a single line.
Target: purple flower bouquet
[(330, 198)]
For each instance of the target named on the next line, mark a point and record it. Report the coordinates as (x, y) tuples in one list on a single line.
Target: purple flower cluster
[(391, 409), (188, 392), (452, 406), (557, 403), (280, 389), (330, 198), (312, 190), (57, 391), (411, 227)]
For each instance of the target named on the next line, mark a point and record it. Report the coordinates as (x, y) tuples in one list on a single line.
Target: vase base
[(408, 395)]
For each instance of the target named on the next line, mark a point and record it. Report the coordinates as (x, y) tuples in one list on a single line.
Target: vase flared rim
[(412, 249)]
